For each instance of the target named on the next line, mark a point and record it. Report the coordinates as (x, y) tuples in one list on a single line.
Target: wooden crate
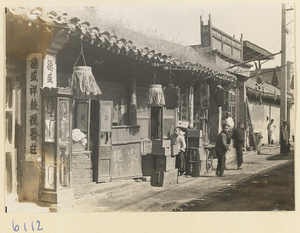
[(148, 164), (161, 151), (175, 150), (165, 163), (161, 143), (194, 133), (193, 154), (196, 154), (164, 178), (146, 147), (196, 168), (194, 142)]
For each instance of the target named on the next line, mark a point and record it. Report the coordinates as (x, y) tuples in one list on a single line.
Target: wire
[(289, 22)]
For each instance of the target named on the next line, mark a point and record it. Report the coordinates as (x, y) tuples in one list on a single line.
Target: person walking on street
[(238, 135), (271, 131), (221, 147), (230, 122), (178, 139), (284, 139)]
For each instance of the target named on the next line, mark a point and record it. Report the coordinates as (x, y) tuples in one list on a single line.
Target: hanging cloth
[(83, 81), (156, 95), (275, 81), (172, 95)]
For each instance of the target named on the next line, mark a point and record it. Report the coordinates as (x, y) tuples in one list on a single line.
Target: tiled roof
[(93, 35)]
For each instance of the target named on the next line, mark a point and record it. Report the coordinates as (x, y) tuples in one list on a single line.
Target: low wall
[(82, 173), (31, 181)]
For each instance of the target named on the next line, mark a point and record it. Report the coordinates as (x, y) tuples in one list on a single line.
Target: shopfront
[(88, 106)]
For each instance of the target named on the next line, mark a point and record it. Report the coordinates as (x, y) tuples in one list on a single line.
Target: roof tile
[(110, 42)]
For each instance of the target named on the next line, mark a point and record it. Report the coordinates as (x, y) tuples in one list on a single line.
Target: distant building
[(254, 100)]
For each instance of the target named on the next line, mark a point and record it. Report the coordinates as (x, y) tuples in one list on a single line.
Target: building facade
[(83, 106)]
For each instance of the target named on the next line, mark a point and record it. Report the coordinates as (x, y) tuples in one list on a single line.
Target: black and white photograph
[(149, 108)]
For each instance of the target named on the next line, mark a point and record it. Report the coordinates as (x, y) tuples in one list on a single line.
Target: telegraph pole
[(283, 79)]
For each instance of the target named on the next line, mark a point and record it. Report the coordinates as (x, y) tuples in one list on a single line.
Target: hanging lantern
[(156, 95), (172, 95), (83, 81), (219, 96), (275, 81), (292, 83)]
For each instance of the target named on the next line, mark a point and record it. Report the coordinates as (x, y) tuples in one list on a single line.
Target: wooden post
[(241, 114), (220, 120), (283, 80), (133, 103), (191, 107)]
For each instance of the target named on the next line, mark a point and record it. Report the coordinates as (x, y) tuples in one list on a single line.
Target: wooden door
[(105, 143)]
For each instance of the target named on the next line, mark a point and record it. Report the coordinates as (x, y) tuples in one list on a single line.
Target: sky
[(259, 23)]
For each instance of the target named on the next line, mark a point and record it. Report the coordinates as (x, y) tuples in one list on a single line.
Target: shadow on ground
[(289, 156), (272, 190)]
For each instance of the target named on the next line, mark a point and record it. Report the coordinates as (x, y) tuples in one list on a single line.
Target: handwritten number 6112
[(17, 227)]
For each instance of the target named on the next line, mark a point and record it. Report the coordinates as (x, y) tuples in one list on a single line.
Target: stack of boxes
[(196, 156), (164, 173), (148, 160)]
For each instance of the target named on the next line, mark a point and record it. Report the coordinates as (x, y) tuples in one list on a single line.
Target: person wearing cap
[(178, 139), (230, 122), (238, 135), (222, 147)]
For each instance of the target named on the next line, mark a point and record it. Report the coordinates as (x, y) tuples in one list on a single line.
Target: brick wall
[(82, 173)]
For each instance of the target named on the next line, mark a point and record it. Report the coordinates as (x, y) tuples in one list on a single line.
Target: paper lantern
[(155, 95), (172, 95), (83, 81), (219, 96), (275, 81)]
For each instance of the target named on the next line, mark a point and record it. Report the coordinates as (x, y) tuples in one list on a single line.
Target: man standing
[(178, 139), (284, 139), (221, 147), (238, 135), (230, 122), (271, 131)]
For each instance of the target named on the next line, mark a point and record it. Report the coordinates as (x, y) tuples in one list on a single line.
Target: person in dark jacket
[(284, 139), (221, 147), (238, 135)]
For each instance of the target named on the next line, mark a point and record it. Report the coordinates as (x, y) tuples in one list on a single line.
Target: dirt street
[(259, 177), (270, 190)]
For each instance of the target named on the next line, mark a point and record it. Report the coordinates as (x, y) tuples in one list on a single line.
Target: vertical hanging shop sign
[(33, 109), (184, 105), (49, 72), (204, 96)]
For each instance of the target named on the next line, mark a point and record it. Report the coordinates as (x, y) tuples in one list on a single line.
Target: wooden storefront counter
[(126, 160)]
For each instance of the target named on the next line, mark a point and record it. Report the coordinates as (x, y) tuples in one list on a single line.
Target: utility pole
[(283, 79)]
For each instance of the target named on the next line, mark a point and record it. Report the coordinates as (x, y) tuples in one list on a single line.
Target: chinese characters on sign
[(105, 115), (204, 96), (33, 101), (49, 75), (184, 105)]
